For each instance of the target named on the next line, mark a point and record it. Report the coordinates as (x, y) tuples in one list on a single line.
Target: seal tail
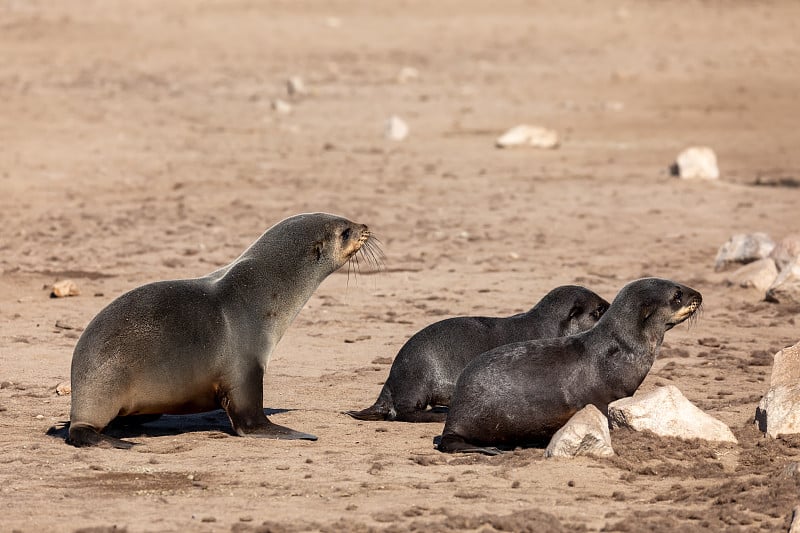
[(380, 410), (82, 435)]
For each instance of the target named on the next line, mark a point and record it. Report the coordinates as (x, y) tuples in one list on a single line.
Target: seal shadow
[(165, 425)]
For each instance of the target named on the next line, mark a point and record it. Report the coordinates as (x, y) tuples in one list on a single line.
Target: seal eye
[(678, 296), (346, 234)]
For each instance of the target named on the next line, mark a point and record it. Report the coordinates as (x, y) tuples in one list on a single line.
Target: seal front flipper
[(274, 431), (82, 435), (376, 412)]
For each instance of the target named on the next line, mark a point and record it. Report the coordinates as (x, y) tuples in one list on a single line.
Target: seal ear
[(319, 246)]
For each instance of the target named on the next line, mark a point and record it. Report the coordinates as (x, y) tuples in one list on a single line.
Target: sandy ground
[(138, 142)]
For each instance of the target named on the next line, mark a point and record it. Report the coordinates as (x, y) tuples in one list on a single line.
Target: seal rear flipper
[(376, 412), (80, 436), (454, 444)]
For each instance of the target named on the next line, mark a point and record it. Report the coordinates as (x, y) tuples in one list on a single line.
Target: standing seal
[(522, 393), (194, 345), (426, 368)]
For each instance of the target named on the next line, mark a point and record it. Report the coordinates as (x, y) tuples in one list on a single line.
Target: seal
[(426, 368), (194, 345), (522, 393)]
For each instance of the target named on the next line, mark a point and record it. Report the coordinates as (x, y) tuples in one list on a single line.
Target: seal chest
[(522, 393), (193, 345), (425, 370)]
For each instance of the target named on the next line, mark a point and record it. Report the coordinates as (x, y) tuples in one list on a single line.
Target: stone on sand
[(295, 86), (786, 252), (64, 288), (525, 135), (758, 275), (743, 248), (778, 413), (586, 433), (786, 287), (667, 412), (697, 162), (281, 106), (407, 74), (396, 128)]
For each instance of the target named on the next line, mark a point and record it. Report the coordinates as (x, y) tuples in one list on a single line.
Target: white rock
[(697, 162), (64, 288), (794, 527), (778, 412), (525, 135), (786, 252), (295, 86), (407, 74), (758, 275), (64, 388), (281, 106), (396, 129), (743, 248), (786, 287), (586, 433), (786, 367), (666, 412)]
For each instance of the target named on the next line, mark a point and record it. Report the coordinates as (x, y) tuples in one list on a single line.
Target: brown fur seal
[(194, 345), (426, 368), (521, 393)]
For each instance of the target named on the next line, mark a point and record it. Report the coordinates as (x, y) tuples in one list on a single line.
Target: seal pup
[(194, 345), (522, 393), (426, 368)]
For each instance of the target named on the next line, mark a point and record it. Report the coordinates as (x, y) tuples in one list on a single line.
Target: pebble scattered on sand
[(295, 86), (396, 128), (64, 388), (64, 288), (281, 106), (525, 135), (696, 162)]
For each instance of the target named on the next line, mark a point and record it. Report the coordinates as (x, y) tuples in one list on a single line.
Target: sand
[(138, 142)]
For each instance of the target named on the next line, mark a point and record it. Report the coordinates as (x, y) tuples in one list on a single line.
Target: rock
[(39, 417), (396, 128), (794, 527), (407, 74), (295, 86), (786, 252), (778, 412), (757, 275), (586, 433), (696, 162), (786, 367), (64, 288), (666, 412), (525, 135), (786, 287), (64, 388), (743, 248), (281, 106)]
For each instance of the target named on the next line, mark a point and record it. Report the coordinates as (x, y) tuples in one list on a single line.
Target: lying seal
[(521, 393), (195, 345), (426, 368)]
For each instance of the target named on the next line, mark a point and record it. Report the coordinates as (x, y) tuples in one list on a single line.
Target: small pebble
[(39, 417), (64, 288), (295, 86), (281, 106), (396, 129)]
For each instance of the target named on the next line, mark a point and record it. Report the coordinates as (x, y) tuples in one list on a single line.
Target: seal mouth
[(688, 311), (368, 247)]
